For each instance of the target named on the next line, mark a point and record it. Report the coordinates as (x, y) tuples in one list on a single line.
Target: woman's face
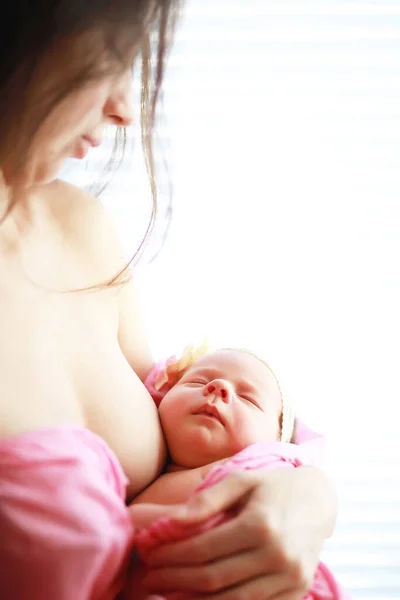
[(75, 124), (78, 124)]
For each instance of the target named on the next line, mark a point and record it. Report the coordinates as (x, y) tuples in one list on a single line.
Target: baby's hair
[(288, 416)]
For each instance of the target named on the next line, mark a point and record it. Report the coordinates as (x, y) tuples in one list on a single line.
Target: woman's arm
[(270, 549), (132, 335)]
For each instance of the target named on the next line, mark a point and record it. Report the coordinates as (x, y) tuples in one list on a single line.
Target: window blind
[(282, 135)]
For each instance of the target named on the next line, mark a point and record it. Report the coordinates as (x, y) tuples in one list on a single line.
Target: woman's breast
[(60, 363), (117, 407), (115, 403)]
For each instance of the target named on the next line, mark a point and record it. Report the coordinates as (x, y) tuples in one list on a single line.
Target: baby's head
[(225, 401)]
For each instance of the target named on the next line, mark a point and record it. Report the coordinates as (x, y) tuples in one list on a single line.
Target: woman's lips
[(82, 148), (85, 143), (94, 142)]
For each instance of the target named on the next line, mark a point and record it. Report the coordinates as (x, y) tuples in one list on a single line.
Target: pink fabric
[(65, 530), (275, 455), (150, 380)]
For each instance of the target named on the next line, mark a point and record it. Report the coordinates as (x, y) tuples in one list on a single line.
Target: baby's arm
[(174, 487)]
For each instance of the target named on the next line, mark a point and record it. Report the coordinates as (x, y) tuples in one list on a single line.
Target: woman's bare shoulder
[(86, 228), (77, 212)]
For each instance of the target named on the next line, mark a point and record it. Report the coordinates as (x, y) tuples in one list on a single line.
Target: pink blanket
[(274, 455)]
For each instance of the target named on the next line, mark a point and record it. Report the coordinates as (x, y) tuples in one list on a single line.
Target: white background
[(282, 136)]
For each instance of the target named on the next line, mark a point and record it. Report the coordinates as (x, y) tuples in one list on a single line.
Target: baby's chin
[(198, 447)]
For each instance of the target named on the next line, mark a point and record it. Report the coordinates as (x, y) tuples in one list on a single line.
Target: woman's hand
[(268, 551)]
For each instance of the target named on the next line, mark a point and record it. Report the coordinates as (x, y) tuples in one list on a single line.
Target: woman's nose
[(220, 388), (119, 105)]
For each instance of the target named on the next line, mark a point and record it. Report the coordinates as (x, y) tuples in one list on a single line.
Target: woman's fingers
[(231, 559), (261, 588), (263, 552), (202, 505), (212, 577), (220, 497), (254, 528), (293, 595), (240, 534), (143, 515)]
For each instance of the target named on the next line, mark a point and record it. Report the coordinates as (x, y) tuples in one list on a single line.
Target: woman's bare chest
[(60, 363)]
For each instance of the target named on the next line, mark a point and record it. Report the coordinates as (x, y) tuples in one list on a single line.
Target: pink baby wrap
[(65, 532), (274, 455)]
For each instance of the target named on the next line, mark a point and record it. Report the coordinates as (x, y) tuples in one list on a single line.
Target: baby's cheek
[(246, 431), (253, 428)]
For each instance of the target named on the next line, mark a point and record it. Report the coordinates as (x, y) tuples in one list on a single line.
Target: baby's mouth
[(210, 411)]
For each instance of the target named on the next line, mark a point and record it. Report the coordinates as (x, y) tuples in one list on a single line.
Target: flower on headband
[(165, 374)]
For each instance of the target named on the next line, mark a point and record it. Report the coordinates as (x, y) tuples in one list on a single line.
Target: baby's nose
[(220, 388)]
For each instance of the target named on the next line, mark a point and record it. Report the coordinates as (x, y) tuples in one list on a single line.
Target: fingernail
[(181, 513)]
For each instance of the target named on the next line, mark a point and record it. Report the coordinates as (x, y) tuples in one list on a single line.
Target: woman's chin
[(46, 173), (37, 175)]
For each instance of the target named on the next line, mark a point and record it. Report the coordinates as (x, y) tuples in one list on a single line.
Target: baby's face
[(226, 401)]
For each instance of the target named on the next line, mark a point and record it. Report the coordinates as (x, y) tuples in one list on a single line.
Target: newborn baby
[(223, 402), (220, 412)]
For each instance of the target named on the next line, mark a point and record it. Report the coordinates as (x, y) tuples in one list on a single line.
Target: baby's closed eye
[(250, 400), (195, 381)]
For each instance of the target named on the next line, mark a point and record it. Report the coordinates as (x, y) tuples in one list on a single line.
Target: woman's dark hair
[(111, 32)]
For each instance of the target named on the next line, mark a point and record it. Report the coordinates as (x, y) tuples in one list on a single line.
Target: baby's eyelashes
[(243, 397), (250, 400), (196, 382)]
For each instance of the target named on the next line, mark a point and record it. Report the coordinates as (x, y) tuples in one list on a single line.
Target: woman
[(73, 353)]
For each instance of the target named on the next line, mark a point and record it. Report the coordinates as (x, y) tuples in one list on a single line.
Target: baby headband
[(165, 374)]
